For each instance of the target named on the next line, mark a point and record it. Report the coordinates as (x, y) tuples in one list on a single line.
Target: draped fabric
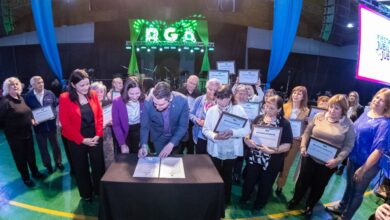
[(203, 32), (43, 17), (286, 20), (133, 65)]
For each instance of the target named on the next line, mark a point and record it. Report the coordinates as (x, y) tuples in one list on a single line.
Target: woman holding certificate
[(372, 141), (295, 109), (266, 160), (126, 116), (82, 124), (18, 118), (224, 127), (327, 141), (198, 113)]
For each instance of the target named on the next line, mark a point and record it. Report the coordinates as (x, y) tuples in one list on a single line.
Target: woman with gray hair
[(198, 114), (18, 118)]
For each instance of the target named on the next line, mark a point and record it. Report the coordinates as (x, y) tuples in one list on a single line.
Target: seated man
[(165, 118)]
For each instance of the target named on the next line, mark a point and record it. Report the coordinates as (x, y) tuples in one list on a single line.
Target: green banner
[(133, 65)]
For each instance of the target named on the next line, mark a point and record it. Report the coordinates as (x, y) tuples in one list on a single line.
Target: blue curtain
[(286, 20), (43, 17)]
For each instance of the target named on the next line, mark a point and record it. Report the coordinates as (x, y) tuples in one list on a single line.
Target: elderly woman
[(108, 143), (198, 114), (18, 118), (264, 162), (224, 147), (294, 109), (372, 141), (333, 128)]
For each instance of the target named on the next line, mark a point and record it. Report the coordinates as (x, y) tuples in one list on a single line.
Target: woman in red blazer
[(82, 124)]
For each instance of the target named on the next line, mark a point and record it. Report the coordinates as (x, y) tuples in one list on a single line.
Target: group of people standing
[(163, 122)]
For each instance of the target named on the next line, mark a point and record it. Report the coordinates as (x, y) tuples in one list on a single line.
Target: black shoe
[(278, 191), (256, 209), (39, 175), (236, 178), (292, 204), (60, 166), (333, 209), (243, 201), (29, 183), (49, 169), (87, 199), (308, 212)]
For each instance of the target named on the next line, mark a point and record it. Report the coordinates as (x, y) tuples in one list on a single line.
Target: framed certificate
[(248, 76), (267, 136), (251, 109), (314, 110), (321, 150), (296, 127), (229, 121), (221, 75), (229, 66), (107, 117), (43, 114)]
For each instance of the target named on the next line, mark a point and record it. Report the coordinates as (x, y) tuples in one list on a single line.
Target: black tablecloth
[(199, 196)]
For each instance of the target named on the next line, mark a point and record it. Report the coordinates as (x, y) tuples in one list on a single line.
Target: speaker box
[(335, 19)]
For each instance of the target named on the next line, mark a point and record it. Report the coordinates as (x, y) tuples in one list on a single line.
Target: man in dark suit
[(165, 118), (37, 98)]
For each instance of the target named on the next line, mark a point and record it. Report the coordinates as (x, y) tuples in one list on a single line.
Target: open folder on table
[(155, 167)]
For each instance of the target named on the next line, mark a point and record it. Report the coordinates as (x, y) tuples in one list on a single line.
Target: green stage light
[(154, 47), (186, 48), (211, 49), (160, 49), (138, 49), (196, 48), (173, 48), (167, 48), (202, 50), (148, 50), (179, 49), (191, 50), (128, 48)]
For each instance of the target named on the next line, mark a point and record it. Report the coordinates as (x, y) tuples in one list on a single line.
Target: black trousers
[(42, 139), (255, 174), (133, 138), (201, 146), (22, 149), (67, 153), (83, 158), (314, 176), (189, 142), (225, 170)]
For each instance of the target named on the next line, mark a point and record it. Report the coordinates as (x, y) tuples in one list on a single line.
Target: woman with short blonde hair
[(365, 161), (18, 118)]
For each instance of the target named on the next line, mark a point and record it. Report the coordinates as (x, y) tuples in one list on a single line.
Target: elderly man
[(165, 119), (190, 90), (37, 98)]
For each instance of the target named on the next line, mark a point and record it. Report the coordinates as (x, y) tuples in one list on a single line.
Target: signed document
[(43, 114), (313, 111), (248, 76), (229, 121), (172, 167), (221, 75), (267, 136), (321, 150), (251, 109), (296, 127), (147, 167), (229, 66)]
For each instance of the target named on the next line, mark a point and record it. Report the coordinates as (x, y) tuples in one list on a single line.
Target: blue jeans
[(353, 195)]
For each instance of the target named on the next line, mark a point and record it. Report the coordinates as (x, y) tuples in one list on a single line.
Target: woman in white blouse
[(224, 147)]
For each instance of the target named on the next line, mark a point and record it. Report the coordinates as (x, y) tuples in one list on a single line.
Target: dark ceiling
[(254, 13)]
